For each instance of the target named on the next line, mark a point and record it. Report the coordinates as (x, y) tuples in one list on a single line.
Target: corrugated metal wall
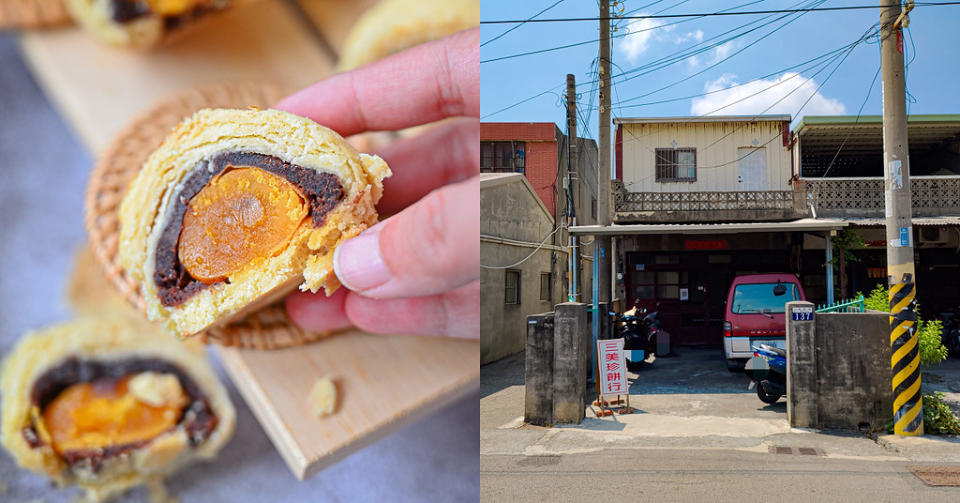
[(716, 162)]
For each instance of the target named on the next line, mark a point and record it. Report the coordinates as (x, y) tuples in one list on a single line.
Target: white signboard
[(612, 367)]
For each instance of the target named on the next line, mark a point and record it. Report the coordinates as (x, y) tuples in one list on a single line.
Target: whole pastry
[(141, 23), (239, 207), (394, 25), (108, 403)]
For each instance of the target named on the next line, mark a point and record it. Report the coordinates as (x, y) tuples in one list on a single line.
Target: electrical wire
[(867, 34), (738, 13), (528, 256), (554, 4), (597, 80)]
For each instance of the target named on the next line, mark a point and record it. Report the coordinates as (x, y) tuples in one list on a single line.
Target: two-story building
[(699, 200), (524, 184)]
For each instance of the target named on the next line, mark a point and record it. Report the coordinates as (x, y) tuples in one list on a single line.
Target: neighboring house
[(539, 151), (513, 224), (699, 200), (839, 163)]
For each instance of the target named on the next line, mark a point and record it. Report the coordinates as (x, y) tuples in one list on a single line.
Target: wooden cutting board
[(384, 382)]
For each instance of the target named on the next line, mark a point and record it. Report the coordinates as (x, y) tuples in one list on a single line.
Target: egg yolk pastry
[(108, 403), (239, 207)]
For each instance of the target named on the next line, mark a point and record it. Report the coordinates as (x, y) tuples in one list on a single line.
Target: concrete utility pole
[(602, 255), (572, 152), (905, 360)]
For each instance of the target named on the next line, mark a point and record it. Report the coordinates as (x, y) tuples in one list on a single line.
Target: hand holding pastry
[(417, 271)]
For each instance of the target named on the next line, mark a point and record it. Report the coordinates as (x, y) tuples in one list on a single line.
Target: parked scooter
[(951, 331), (639, 330), (767, 371)]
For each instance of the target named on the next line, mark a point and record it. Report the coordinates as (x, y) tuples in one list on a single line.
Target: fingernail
[(358, 264)]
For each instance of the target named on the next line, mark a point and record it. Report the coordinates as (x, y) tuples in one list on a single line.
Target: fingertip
[(317, 312)]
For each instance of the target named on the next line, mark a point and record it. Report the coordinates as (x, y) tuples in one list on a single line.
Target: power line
[(597, 80), (702, 14), (554, 4), (866, 35), (528, 256), (593, 41), (717, 63)]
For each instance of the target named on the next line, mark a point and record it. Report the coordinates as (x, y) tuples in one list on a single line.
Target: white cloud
[(723, 50), (692, 35), (748, 99), (639, 34)]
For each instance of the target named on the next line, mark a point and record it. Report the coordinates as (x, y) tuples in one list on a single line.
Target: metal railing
[(850, 306), (831, 197)]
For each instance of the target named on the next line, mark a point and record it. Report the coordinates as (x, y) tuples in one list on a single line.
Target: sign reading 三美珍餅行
[(802, 314), (612, 367)]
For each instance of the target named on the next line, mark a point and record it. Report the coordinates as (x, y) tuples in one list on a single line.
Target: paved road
[(716, 476), (699, 435)]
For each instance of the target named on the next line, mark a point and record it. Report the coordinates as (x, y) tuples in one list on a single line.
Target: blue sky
[(933, 77)]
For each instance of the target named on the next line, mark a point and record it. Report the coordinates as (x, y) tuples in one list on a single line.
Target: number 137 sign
[(611, 367)]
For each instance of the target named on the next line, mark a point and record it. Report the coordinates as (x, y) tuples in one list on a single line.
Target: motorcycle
[(639, 330), (767, 371), (951, 331)]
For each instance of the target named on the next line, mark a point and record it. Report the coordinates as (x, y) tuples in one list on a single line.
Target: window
[(753, 298), (502, 156), (546, 286), (676, 164), (511, 287), (593, 209)]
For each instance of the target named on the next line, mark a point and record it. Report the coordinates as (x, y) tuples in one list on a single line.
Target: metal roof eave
[(700, 119), (804, 224)]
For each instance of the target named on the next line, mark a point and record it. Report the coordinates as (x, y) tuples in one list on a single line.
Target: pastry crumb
[(156, 389), (323, 398)]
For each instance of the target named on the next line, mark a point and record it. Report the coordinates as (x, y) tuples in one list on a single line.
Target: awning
[(917, 221), (804, 224)]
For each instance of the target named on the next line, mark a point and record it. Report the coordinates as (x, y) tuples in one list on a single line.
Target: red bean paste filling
[(322, 192), (197, 418)]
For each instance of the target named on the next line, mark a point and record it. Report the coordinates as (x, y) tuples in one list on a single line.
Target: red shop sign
[(705, 244)]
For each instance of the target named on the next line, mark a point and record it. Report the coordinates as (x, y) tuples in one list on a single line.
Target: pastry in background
[(108, 403), (88, 289), (141, 23), (236, 209), (33, 14), (394, 25)]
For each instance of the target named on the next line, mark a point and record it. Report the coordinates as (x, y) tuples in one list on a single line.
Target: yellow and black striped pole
[(905, 352), (905, 359)]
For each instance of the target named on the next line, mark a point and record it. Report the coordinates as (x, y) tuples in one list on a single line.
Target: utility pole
[(905, 359), (602, 254), (573, 257)]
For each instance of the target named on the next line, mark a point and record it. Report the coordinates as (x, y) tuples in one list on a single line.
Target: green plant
[(845, 242), (938, 418), (931, 346)]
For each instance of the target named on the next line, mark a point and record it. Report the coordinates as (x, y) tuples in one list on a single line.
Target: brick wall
[(540, 156)]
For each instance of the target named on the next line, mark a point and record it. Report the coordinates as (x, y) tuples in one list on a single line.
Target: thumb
[(428, 248)]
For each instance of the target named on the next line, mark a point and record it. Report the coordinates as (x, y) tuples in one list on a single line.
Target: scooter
[(767, 371), (639, 331), (951, 331)]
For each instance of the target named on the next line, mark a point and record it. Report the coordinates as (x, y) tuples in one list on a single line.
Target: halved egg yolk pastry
[(141, 23), (108, 403), (239, 207)]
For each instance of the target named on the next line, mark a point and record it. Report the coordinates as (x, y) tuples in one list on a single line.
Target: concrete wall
[(716, 162), (512, 223), (839, 370)]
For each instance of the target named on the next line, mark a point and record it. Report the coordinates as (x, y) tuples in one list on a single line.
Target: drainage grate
[(802, 451), (944, 476)]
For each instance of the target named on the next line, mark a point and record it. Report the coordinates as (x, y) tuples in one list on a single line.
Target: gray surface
[(44, 171)]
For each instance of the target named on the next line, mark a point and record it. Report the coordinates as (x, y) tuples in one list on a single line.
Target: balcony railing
[(864, 197), (831, 197), (743, 206)]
